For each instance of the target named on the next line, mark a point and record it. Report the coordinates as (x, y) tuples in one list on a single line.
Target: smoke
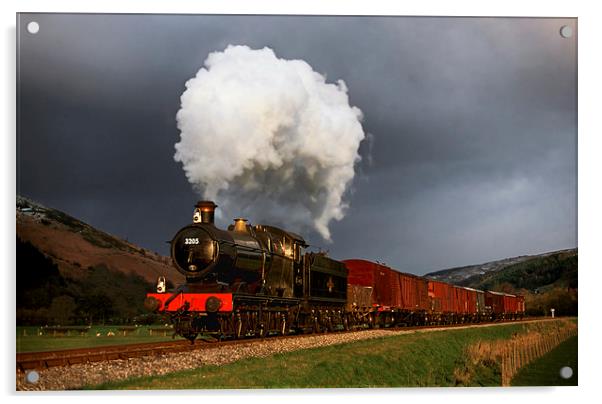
[(269, 139)]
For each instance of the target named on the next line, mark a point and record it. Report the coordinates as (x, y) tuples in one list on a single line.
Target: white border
[(589, 204)]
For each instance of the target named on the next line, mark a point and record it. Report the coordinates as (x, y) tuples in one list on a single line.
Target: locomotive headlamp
[(192, 268), (207, 211), (196, 218), (213, 304)]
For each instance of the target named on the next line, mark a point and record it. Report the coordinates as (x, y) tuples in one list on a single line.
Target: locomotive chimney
[(206, 210), (240, 225)]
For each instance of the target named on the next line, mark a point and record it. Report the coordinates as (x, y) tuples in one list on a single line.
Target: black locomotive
[(250, 280)]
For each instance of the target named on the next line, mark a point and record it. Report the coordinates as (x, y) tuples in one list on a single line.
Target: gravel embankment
[(76, 376)]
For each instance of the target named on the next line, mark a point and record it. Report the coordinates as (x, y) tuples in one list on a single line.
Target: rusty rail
[(42, 360)]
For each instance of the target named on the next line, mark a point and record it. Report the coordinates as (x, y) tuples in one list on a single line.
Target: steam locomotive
[(257, 280), (249, 280)]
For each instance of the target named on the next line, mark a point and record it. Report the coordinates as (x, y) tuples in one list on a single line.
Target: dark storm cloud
[(473, 124)]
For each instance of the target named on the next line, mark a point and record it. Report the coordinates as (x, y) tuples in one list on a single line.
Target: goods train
[(258, 280)]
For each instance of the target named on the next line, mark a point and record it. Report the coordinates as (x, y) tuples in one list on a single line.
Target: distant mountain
[(69, 271), (510, 270)]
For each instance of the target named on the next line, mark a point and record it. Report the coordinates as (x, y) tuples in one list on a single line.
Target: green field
[(29, 340), (545, 371), (412, 360)]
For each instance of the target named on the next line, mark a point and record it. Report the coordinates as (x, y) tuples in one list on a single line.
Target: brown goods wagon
[(359, 296), (442, 296), (495, 300)]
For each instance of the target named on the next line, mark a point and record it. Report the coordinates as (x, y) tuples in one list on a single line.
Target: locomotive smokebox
[(204, 212)]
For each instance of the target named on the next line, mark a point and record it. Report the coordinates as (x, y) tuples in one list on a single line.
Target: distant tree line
[(99, 296), (562, 300)]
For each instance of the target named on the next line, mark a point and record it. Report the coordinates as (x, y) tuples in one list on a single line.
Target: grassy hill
[(547, 281), (535, 274), (70, 272)]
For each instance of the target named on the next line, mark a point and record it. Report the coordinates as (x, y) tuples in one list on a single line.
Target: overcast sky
[(472, 121)]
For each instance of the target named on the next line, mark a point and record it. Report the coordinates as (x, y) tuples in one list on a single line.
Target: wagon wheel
[(190, 337), (283, 325), (345, 323), (316, 328), (371, 321), (329, 325), (262, 331)]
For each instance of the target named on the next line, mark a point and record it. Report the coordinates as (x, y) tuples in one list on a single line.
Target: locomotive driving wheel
[(190, 336)]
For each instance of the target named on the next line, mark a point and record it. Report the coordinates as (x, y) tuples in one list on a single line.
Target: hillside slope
[(73, 245), (69, 272), (536, 274)]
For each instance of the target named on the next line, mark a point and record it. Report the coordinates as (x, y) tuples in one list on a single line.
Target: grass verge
[(545, 371), (426, 359)]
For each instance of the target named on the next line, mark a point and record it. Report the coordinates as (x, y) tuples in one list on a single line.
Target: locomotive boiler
[(249, 280)]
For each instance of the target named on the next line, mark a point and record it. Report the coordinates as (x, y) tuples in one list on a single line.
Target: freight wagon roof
[(500, 293), (475, 290), (359, 261)]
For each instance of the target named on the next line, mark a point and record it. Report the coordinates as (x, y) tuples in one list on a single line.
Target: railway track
[(44, 360)]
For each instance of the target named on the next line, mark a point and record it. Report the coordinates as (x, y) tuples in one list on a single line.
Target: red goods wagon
[(460, 301), (442, 295), (371, 275), (521, 304), (480, 301), (510, 304), (390, 289), (414, 292), (467, 300)]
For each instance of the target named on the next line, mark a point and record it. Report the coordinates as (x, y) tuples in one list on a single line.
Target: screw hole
[(33, 27), (32, 377), (566, 372), (566, 31)]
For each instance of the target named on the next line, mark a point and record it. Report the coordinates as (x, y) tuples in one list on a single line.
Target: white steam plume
[(269, 138)]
